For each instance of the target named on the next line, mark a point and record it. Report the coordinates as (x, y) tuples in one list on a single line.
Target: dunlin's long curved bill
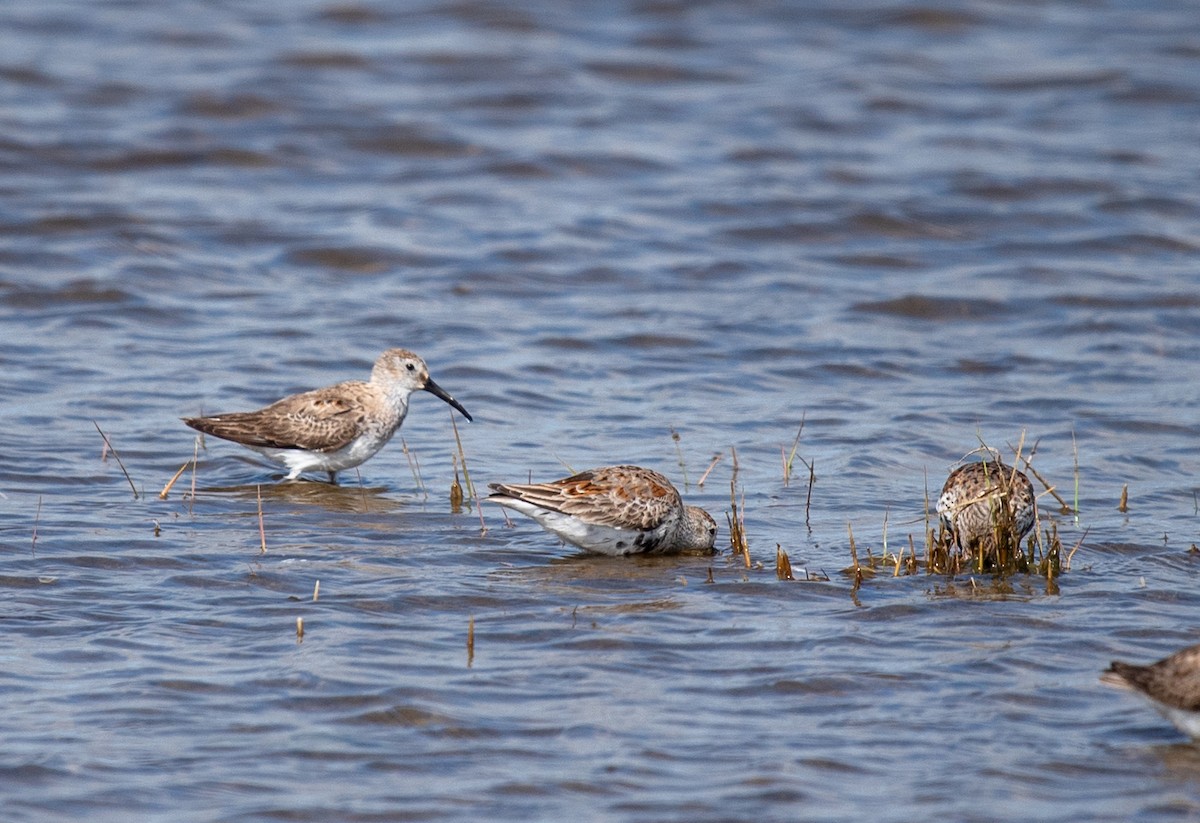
[(438, 391)]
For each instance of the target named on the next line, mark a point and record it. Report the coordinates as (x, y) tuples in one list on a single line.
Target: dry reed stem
[(737, 524), (716, 459), (1064, 506), (316, 590), (899, 562), (1123, 506), (812, 479), (886, 511), (162, 495), (470, 641), (462, 457), (262, 532), (1075, 457), (742, 530), (414, 466), (855, 567), (456, 492), (1075, 548), (195, 460), (108, 445), (299, 629), (471, 490), (783, 566)]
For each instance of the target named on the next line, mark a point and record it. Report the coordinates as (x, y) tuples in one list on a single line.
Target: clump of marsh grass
[(992, 549), (784, 571), (997, 549)]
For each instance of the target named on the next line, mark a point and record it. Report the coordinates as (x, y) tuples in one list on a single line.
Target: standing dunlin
[(981, 499), (334, 428), (614, 510), (1172, 685)]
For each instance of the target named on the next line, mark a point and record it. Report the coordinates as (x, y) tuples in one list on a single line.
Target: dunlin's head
[(400, 371), (697, 530), (1172, 685)]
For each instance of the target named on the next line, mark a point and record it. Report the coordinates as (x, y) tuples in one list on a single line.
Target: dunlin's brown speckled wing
[(627, 497), (323, 420)]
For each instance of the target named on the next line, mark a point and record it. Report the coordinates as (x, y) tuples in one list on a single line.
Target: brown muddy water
[(910, 225)]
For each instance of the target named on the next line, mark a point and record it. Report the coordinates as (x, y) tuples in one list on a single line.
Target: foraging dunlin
[(1172, 685), (981, 498), (615, 510), (334, 428)]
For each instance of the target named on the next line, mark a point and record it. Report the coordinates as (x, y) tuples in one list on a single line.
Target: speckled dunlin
[(971, 501), (614, 510), (334, 428)]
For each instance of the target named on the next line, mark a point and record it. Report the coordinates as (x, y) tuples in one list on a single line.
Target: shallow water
[(910, 227)]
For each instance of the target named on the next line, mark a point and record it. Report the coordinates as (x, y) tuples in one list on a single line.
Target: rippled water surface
[(912, 227)]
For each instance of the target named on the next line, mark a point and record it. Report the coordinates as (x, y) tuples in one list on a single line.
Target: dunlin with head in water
[(614, 510), (983, 500), (334, 428), (1172, 685)]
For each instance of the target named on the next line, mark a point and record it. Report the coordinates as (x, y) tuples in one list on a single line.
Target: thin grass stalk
[(679, 456), (470, 641), (37, 518), (262, 532), (1075, 454), (812, 479), (462, 457), (109, 446), (788, 461), (716, 459), (414, 466), (195, 462)]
